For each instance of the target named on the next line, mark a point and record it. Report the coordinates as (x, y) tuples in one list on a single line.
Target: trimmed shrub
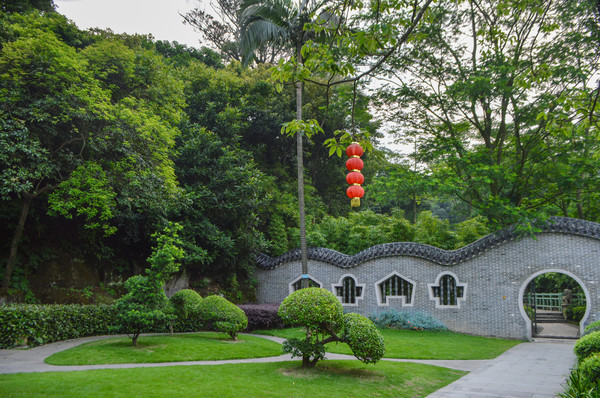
[(365, 341), (406, 320), (313, 307), (185, 303), (322, 314), (29, 324), (591, 328), (262, 316), (217, 313), (587, 346), (185, 306), (590, 368)]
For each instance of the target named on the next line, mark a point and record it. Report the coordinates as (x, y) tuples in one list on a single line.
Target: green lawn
[(330, 379), (412, 344), (165, 348)]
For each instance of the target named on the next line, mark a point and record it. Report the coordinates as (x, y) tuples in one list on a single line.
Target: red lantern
[(354, 149), (354, 164), (355, 192), (355, 177)]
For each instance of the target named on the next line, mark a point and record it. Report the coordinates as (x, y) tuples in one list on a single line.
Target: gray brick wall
[(495, 272)]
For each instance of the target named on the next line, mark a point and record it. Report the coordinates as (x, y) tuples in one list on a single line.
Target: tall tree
[(484, 94), (221, 29), (333, 40)]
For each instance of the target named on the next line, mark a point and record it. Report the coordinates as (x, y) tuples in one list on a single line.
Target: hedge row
[(32, 325), (28, 324)]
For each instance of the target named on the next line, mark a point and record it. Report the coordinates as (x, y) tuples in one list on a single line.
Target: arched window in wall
[(296, 284), (395, 286), (447, 291), (348, 291)]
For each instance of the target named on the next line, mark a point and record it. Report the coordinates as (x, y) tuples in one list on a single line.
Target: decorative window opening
[(348, 291), (395, 286), (447, 291), (297, 284)]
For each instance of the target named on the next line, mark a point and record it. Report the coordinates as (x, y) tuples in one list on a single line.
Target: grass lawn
[(330, 379), (165, 348), (412, 344)]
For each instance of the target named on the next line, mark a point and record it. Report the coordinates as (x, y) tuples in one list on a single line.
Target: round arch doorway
[(523, 291)]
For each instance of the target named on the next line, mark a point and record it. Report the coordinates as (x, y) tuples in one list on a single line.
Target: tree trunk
[(300, 162), (12, 257), (134, 339)]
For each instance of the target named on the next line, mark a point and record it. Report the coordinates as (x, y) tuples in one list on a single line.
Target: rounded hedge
[(590, 368), (363, 337), (221, 315), (587, 346), (185, 303), (592, 327), (312, 307)]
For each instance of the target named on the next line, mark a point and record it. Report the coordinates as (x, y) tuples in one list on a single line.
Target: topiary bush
[(587, 346), (185, 307), (217, 313), (262, 316), (591, 328), (322, 314), (406, 320), (590, 368), (314, 308), (365, 341)]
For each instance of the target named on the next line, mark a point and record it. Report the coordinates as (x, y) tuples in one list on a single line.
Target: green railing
[(552, 301)]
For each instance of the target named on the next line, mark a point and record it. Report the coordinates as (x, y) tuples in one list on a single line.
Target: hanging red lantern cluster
[(355, 177)]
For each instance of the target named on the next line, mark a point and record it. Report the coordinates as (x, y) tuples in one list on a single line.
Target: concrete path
[(536, 369)]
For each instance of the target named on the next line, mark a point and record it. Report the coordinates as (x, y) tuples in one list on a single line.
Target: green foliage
[(579, 386), (363, 338), (361, 230), (587, 346), (590, 368), (41, 324), (185, 303), (517, 164), (86, 193), (575, 313), (217, 313), (305, 348), (321, 314), (591, 328), (406, 320), (145, 304), (314, 308), (433, 231), (23, 159)]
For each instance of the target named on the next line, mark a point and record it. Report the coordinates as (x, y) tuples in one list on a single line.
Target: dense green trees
[(501, 98), (105, 137)]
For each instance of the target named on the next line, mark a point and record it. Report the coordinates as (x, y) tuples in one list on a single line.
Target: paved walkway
[(536, 369)]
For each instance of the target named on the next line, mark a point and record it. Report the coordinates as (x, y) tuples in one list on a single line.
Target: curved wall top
[(562, 225)]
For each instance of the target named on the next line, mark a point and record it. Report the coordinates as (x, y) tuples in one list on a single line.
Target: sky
[(158, 17)]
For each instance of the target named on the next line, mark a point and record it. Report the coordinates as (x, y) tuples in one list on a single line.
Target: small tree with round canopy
[(321, 313)]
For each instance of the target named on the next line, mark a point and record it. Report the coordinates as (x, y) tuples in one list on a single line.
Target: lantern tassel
[(355, 202)]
